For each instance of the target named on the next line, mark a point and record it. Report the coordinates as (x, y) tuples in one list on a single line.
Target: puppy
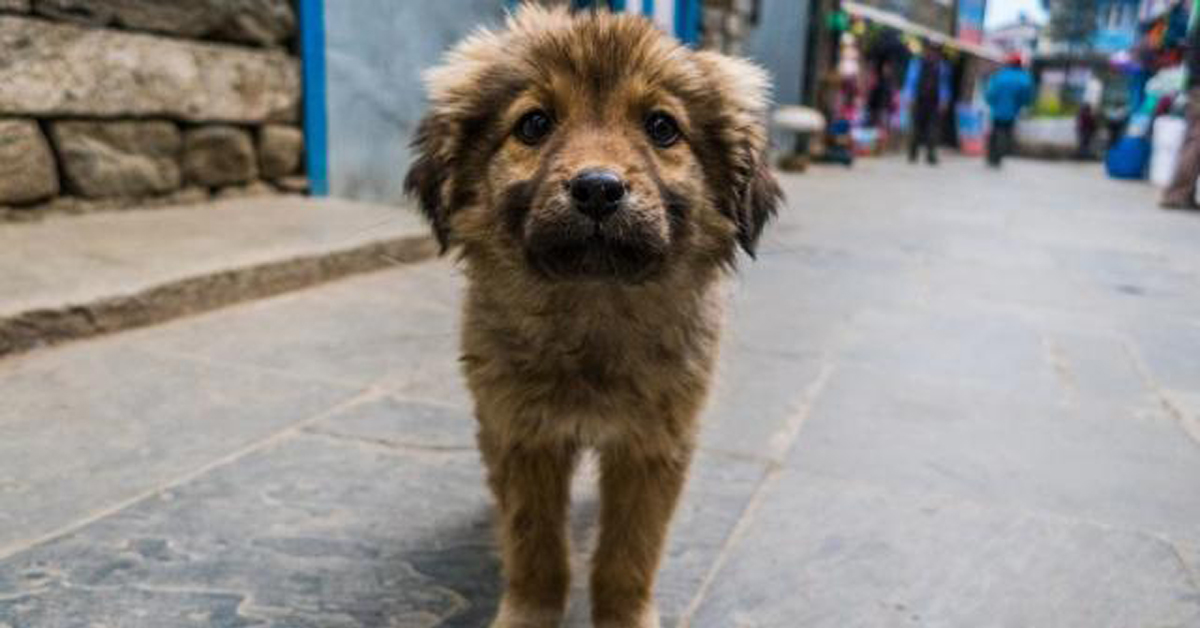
[(596, 179)]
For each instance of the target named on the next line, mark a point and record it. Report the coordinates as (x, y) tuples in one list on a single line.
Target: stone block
[(67, 70), (29, 173), (18, 6), (218, 155), (293, 184), (279, 149), (250, 190), (118, 159), (258, 22), (78, 205)]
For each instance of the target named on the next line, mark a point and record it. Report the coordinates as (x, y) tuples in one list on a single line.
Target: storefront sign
[(970, 20)]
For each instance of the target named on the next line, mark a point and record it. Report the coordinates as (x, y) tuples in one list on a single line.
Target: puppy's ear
[(751, 195), (467, 92), (427, 177), (759, 204)]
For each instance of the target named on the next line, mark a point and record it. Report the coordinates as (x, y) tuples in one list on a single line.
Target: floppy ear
[(467, 91), (759, 203), (752, 195), (428, 175)]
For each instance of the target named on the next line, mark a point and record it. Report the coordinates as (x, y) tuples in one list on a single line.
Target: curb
[(33, 329)]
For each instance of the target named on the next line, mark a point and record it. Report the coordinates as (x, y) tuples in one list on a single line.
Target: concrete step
[(71, 277)]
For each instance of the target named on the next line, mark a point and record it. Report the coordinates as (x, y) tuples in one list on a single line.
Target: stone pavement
[(948, 398)]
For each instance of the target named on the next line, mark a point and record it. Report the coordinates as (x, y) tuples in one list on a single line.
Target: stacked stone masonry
[(126, 103)]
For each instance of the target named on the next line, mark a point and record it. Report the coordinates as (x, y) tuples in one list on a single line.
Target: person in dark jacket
[(1181, 193), (1008, 91), (1086, 126), (927, 92)]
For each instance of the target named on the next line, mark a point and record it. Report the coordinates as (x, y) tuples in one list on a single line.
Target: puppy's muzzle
[(596, 229), (597, 193)]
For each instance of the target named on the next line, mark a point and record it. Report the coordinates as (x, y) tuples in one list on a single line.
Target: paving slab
[(319, 532), (842, 554), (1170, 349), (396, 331), (1024, 454), (756, 400), (402, 423), (86, 429), (73, 276), (313, 532)]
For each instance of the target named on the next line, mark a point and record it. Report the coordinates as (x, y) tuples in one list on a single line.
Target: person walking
[(1181, 192), (1086, 126), (1008, 91), (927, 92)]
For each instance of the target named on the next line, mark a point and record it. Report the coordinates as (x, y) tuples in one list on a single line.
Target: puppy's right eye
[(533, 127)]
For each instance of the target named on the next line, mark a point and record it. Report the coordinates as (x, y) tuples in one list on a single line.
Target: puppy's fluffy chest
[(577, 362)]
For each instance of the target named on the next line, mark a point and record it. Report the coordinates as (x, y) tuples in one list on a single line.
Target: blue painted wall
[(375, 51)]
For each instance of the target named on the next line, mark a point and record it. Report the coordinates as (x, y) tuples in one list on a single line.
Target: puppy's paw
[(513, 615)]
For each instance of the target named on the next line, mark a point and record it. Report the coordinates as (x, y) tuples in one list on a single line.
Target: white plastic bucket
[(1169, 132)]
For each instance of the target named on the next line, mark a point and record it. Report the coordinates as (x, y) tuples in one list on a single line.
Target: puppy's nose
[(597, 192)]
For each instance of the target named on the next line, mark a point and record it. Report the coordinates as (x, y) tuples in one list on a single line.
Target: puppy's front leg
[(532, 487), (638, 492)]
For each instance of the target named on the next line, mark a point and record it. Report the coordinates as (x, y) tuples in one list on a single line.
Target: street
[(949, 397)]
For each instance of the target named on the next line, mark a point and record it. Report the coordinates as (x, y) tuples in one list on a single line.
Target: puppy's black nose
[(597, 193)]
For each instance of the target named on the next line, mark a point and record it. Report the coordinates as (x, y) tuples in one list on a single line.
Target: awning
[(887, 18)]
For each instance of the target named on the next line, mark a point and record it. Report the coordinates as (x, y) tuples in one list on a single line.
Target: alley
[(948, 397)]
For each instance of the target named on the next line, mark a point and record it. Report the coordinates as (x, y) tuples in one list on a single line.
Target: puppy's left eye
[(533, 127), (662, 129)]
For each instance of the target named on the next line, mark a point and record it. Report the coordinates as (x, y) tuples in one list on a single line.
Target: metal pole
[(316, 130)]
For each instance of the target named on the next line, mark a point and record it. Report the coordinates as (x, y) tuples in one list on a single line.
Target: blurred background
[(960, 384), (255, 85)]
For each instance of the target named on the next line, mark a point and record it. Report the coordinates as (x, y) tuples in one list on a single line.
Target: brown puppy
[(596, 179)]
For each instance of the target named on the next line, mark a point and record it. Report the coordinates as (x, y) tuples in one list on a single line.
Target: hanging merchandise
[(848, 62), (838, 21)]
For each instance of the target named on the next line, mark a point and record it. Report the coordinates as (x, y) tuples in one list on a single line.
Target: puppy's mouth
[(597, 255)]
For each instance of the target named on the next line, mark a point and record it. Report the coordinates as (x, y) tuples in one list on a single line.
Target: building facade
[(1117, 26), (375, 51), (1022, 37)]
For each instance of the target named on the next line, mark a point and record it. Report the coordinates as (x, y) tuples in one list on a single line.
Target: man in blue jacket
[(1008, 91)]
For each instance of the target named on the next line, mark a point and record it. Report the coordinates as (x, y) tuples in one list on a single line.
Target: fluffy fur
[(583, 334)]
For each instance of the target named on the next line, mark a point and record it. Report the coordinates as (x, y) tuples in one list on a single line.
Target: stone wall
[(127, 103)]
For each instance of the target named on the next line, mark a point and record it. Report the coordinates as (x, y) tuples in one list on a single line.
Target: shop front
[(866, 89)]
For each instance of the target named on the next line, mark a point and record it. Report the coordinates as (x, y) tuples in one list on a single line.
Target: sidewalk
[(948, 397)]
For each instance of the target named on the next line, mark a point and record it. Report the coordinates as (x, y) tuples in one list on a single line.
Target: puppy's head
[(592, 147)]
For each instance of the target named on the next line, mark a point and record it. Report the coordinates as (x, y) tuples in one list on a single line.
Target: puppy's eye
[(662, 129), (533, 127)]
